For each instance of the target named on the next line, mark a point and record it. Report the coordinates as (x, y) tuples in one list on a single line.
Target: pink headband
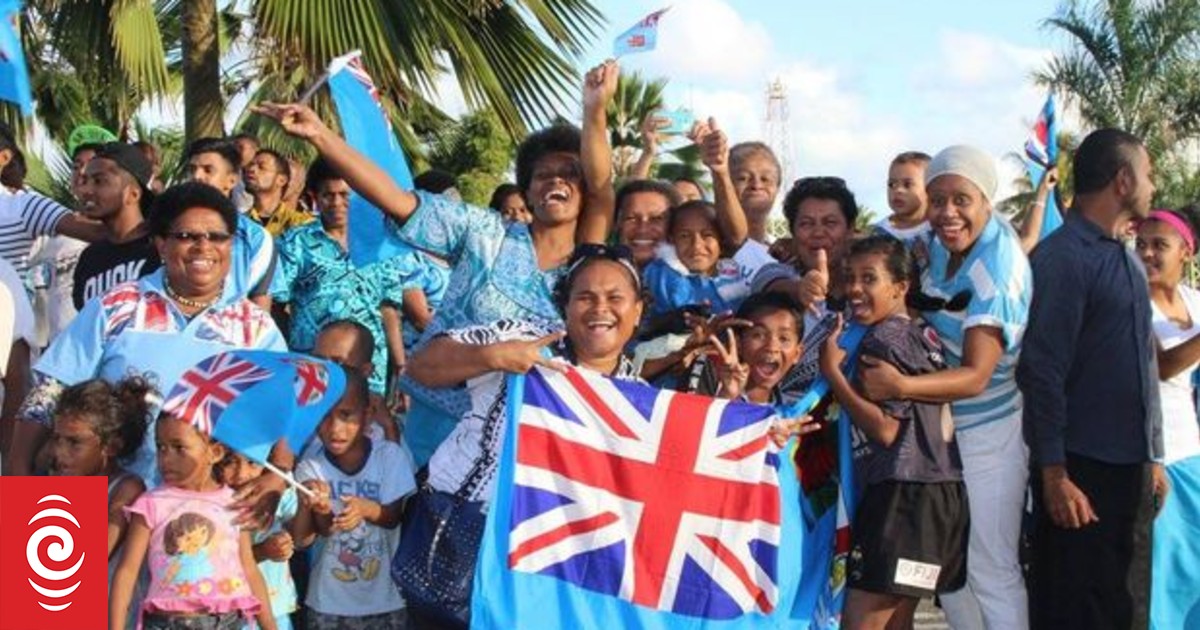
[(1180, 226)]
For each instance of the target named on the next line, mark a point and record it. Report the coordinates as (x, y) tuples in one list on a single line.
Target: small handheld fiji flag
[(251, 399), (642, 37), (1041, 153)]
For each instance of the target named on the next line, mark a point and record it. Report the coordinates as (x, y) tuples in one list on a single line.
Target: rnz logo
[(54, 586), (53, 553)]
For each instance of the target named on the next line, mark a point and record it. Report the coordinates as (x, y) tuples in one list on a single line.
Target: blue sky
[(866, 78)]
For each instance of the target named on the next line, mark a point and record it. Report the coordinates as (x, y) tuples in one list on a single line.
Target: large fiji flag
[(252, 399), (622, 506), (641, 37), (1041, 152), (14, 76), (365, 127)]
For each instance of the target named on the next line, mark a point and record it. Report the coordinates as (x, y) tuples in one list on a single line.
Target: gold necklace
[(196, 304)]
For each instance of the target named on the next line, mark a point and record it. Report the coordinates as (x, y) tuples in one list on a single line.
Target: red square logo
[(53, 553)]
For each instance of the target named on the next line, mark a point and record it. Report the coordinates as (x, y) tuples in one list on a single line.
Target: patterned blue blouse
[(494, 276)]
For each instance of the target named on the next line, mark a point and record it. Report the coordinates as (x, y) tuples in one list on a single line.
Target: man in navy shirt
[(1089, 374)]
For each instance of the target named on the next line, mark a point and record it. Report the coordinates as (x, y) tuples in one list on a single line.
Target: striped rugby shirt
[(23, 218), (997, 274)]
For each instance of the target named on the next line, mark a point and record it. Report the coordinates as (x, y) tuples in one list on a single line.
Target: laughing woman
[(600, 301), (159, 325), (501, 270), (1166, 241), (978, 284)]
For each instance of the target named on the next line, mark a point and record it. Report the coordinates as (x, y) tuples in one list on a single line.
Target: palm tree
[(635, 99), (1133, 65), (1016, 205), (510, 55)]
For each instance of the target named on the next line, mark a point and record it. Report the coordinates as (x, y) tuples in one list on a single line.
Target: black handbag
[(435, 564)]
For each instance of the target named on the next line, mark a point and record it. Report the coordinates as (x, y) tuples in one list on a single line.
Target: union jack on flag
[(670, 501), (1041, 147), (312, 380), (206, 390)]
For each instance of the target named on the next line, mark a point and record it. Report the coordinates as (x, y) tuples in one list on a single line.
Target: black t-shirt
[(104, 265), (921, 452)]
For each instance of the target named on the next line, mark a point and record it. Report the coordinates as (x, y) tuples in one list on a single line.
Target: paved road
[(929, 617)]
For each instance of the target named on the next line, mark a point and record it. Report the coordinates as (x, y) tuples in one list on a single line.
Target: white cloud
[(705, 41)]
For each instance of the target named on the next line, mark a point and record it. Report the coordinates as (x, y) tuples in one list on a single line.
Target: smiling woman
[(974, 251), (600, 300), (159, 325)]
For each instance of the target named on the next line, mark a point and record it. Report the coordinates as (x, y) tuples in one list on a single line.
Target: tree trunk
[(203, 109)]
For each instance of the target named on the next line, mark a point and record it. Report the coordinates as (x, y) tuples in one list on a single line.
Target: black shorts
[(910, 539)]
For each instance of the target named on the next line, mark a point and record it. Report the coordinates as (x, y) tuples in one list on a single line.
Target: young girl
[(361, 484), (910, 530), (96, 424), (689, 269), (272, 545), (202, 568), (689, 279)]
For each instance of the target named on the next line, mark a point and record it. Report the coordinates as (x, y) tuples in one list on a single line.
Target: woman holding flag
[(601, 301), (160, 325), (1166, 241), (976, 287)]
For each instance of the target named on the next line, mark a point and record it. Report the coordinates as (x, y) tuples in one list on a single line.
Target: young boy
[(360, 486), (750, 365), (273, 545), (906, 197), (351, 344)]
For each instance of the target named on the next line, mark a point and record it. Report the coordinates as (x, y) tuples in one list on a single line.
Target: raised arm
[(363, 175), (714, 152), (1031, 227), (600, 201), (649, 132)]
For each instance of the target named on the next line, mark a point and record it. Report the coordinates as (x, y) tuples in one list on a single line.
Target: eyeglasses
[(194, 238)]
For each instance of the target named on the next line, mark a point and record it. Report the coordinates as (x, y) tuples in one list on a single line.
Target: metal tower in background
[(777, 130)]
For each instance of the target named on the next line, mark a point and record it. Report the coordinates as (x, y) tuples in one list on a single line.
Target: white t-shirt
[(351, 575), (1181, 432), (24, 325), (906, 235)]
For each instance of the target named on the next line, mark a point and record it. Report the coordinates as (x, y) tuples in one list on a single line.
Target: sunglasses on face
[(194, 238)]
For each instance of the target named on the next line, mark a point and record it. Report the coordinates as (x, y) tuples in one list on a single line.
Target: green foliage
[(478, 152), (99, 61), (1135, 65)]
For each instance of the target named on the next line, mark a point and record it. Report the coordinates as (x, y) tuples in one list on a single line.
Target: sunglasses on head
[(585, 251), (616, 253), (822, 181)]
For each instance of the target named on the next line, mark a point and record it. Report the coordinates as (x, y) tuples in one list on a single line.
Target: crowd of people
[(992, 367)]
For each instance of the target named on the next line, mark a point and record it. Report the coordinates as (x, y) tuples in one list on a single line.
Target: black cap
[(130, 159)]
